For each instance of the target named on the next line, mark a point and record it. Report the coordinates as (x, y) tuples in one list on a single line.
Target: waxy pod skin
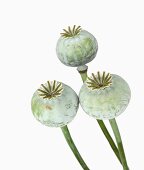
[(54, 104), (106, 101), (76, 47)]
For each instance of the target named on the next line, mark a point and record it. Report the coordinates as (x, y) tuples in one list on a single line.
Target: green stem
[(109, 138), (83, 72), (119, 143), (73, 147)]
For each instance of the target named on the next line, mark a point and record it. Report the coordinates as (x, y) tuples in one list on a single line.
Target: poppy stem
[(74, 149), (109, 139), (119, 143), (83, 72)]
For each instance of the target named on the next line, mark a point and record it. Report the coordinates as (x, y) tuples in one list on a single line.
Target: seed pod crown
[(99, 81), (71, 32), (50, 90)]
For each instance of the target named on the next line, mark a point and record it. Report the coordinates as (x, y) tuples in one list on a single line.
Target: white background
[(29, 30)]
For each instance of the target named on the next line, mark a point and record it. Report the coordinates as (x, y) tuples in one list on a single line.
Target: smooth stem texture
[(109, 138), (119, 143), (73, 147), (83, 75), (83, 72)]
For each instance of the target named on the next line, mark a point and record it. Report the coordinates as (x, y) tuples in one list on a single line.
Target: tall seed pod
[(104, 96), (76, 47), (54, 104)]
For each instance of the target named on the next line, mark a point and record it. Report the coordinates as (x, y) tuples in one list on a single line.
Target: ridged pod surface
[(56, 108), (77, 50), (107, 102)]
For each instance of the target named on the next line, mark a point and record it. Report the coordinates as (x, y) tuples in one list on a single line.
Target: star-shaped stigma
[(71, 31), (99, 81), (50, 89)]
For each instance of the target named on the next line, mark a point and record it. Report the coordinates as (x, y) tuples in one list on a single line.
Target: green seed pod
[(54, 104), (104, 96), (76, 47)]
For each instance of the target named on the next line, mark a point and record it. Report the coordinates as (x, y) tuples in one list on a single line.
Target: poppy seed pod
[(54, 104), (104, 96), (76, 47)]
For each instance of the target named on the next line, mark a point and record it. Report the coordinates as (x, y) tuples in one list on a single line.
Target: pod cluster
[(102, 96)]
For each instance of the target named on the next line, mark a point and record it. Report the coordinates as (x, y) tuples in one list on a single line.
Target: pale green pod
[(76, 47), (54, 104), (104, 96)]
